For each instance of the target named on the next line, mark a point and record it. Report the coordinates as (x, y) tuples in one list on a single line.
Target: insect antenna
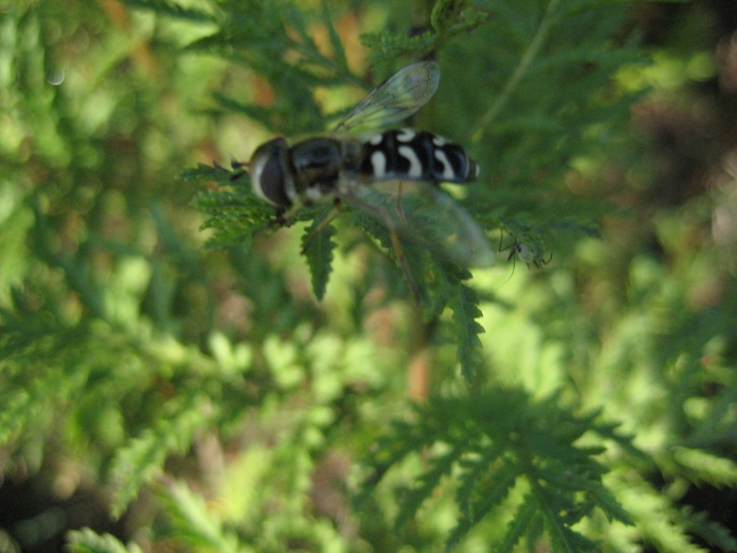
[(511, 255), (240, 168)]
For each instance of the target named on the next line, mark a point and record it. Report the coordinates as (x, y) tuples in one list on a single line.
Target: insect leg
[(380, 214), (401, 259), (514, 247), (281, 218), (400, 210), (403, 264), (539, 261)]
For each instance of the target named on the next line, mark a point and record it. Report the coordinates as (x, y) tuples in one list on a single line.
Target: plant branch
[(522, 67)]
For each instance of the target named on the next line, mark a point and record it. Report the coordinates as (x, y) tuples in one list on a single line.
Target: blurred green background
[(186, 395)]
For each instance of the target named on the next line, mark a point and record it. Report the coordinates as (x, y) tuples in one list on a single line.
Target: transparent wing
[(429, 217), (395, 99)]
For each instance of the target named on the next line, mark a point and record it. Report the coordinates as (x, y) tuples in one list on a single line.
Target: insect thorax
[(319, 164)]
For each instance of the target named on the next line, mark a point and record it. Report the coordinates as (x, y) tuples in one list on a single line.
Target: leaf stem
[(519, 72)]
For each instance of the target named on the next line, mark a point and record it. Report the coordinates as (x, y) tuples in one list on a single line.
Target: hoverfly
[(342, 167)]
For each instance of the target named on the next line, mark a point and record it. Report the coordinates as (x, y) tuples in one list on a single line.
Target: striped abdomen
[(415, 155)]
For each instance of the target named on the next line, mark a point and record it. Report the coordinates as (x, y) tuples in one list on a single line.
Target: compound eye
[(267, 173)]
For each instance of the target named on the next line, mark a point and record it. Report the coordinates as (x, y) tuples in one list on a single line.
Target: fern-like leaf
[(497, 440), (479, 494), (608, 431), (610, 506), (143, 459), (318, 247), (519, 525), (87, 541), (190, 521), (386, 47), (474, 470), (174, 10), (412, 501), (236, 215), (567, 540), (14, 414), (335, 41), (412, 258), (452, 17), (464, 302), (713, 533)]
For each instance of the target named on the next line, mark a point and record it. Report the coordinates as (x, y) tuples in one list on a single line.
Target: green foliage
[(86, 541), (419, 250), (192, 523), (497, 443), (143, 458), (237, 216), (449, 19), (318, 247), (464, 303), (226, 380)]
